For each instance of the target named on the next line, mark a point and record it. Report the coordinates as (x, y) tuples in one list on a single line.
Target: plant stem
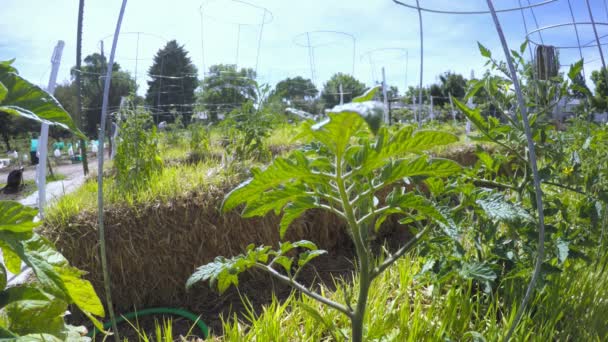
[(362, 254), (304, 290), (380, 268)]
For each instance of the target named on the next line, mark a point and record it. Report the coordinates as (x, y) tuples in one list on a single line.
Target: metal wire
[(598, 43), (304, 40), (419, 111), (267, 18), (597, 39), (533, 165), (438, 11), (578, 39)]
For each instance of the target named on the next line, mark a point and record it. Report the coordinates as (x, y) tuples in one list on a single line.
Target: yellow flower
[(568, 170)]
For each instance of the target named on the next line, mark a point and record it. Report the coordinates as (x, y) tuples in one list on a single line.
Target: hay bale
[(154, 248)]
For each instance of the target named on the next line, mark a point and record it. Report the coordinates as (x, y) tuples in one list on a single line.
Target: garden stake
[(100, 156), (533, 166)]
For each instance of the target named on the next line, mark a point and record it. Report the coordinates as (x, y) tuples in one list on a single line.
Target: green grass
[(283, 135), (402, 308), (172, 182)]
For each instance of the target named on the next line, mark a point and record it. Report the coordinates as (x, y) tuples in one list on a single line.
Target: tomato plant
[(357, 175)]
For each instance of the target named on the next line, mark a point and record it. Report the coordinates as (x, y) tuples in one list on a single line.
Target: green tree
[(412, 92), (225, 88), (454, 84), (600, 101), (436, 91), (173, 82), (92, 91), (351, 88), (392, 92), (299, 92)]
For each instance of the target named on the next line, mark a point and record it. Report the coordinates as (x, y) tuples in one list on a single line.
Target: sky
[(374, 34)]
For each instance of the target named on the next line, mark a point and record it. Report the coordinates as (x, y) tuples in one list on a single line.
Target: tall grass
[(170, 183), (573, 307)]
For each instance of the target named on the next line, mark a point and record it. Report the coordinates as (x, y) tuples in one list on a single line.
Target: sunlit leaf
[(368, 95)]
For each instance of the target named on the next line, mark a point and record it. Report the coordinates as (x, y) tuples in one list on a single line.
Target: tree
[(436, 91), (92, 90), (173, 82), (601, 89), (351, 88), (412, 94), (392, 92), (298, 92), (226, 88), (454, 84)]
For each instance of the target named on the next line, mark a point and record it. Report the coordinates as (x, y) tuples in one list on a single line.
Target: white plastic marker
[(44, 131), (470, 104)]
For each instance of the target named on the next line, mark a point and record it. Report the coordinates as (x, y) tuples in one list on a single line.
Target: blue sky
[(30, 30)]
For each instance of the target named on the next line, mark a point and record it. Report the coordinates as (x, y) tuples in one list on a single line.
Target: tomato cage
[(395, 58), (137, 61), (458, 8), (314, 41), (586, 32), (233, 17)]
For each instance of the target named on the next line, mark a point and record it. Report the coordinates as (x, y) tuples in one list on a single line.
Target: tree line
[(174, 90)]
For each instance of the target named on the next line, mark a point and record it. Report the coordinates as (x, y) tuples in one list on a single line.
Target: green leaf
[(307, 256), (499, 209), (523, 47), (284, 170), (11, 259), (39, 338), (474, 115), (294, 210), (31, 311), (285, 262), (368, 95), (306, 244), (15, 217), (81, 291), (478, 271), (484, 51), (474, 87), (424, 140), (416, 202), (30, 101), (339, 130), (420, 166), (575, 70), (54, 273), (2, 277), (3, 92), (224, 272)]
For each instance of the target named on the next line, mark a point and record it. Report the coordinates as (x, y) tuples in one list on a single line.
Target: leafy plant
[(22, 98), (358, 176), (137, 155), (36, 310), (246, 129)]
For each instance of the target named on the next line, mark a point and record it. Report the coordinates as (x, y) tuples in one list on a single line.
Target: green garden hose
[(157, 311)]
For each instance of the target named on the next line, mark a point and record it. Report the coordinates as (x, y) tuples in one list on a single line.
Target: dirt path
[(74, 178)]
